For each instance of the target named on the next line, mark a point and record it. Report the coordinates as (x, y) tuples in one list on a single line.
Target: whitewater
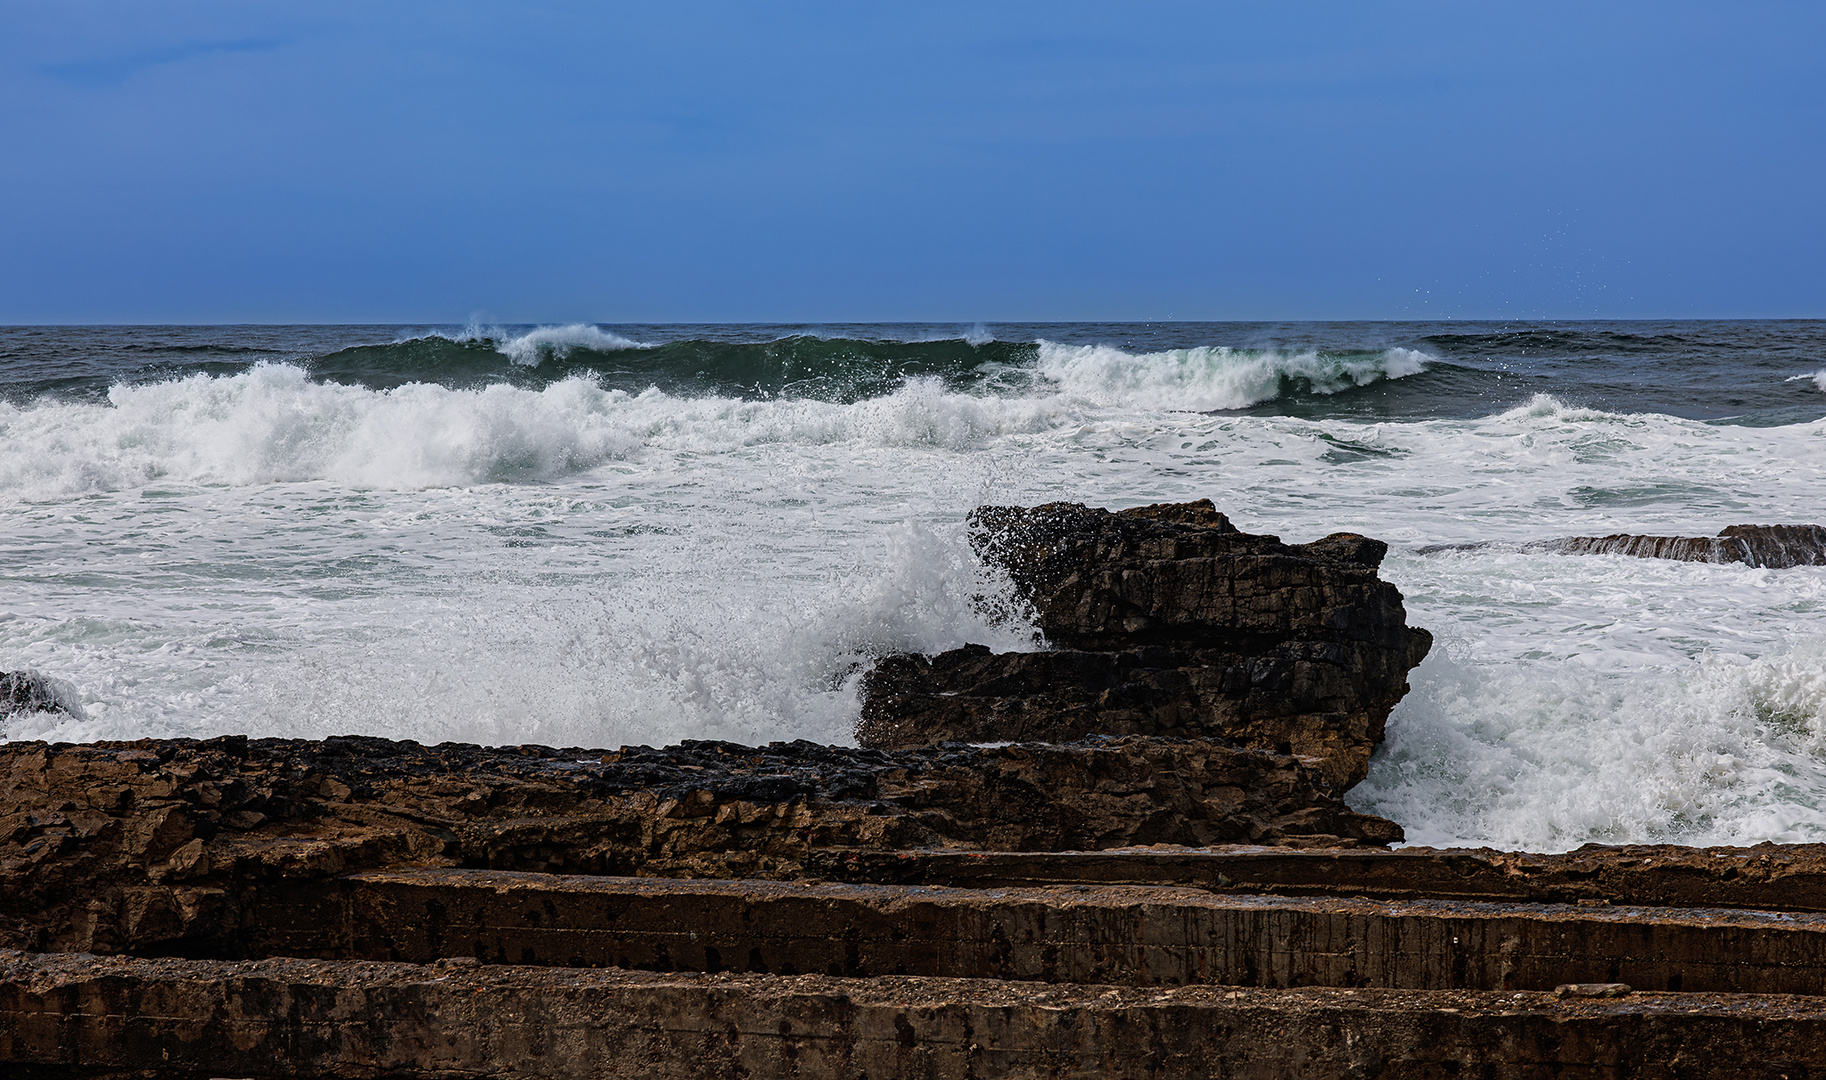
[(594, 535)]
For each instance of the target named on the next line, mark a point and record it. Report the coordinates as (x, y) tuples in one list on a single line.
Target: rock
[(1592, 990), (1166, 620), (1772, 547), (117, 846), (28, 691)]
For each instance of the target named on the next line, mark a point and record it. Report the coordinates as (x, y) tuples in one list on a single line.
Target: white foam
[(273, 424), (1210, 378), (1545, 756), (547, 342), (541, 343)]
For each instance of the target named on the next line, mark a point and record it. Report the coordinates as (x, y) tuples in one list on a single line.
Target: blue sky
[(327, 162)]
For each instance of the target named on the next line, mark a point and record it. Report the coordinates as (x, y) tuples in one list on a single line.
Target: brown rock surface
[(85, 1018), (1116, 935), (119, 846), (1167, 620), (1770, 546)]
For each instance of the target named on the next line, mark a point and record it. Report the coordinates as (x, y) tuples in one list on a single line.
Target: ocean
[(596, 535)]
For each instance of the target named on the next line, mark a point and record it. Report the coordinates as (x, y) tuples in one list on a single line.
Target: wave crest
[(273, 423), (540, 344), (1214, 377), (1818, 378)]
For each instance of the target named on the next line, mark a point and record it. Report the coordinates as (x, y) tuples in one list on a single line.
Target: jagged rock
[(1167, 620), (114, 846), (1772, 547), (28, 691)]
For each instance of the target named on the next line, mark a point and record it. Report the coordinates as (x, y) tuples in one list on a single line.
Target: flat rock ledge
[(115, 847), (1774, 547), (359, 909), (1166, 620)]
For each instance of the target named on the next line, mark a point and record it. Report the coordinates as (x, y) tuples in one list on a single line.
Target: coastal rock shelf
[(360, 909), (1166, 620), (434, 973), (82, 1018), (1773, 547), (123, 846)]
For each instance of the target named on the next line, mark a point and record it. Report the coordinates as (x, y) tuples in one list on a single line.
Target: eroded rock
[(1772, 547), (1166, 620)]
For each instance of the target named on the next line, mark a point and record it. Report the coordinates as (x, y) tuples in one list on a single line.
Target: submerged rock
[(29, 691), (1772, 547), (1166, 620)]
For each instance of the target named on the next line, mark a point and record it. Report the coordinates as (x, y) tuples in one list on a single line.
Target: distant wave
[(550, 342), (1818, 378), (1208, 379), (803, 365)]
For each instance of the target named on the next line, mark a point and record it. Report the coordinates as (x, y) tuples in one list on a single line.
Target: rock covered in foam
[(1774, 547), (30, 691), (1166, 620), (1770, 546)]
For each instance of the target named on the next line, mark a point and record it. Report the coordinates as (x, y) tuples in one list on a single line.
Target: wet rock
[(29, 691), (1769, 546), (1166, 620)]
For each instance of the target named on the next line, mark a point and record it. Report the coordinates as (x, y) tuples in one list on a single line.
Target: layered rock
[(1166, 620), (1774, 547), (117, 846)]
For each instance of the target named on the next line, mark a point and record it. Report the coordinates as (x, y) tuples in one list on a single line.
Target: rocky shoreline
[(1121, 853)]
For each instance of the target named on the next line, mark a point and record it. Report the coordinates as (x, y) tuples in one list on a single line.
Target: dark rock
[(1167, 621), (28, 691), (1772, 547)]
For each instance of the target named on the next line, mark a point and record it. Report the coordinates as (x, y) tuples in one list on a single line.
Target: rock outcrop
[(1166, 620), (116, 846), (1773, 547)]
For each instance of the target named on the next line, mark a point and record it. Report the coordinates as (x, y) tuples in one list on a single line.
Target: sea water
[(597, 535)]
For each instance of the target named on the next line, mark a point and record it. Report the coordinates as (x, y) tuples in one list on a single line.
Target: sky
[(275, 161)]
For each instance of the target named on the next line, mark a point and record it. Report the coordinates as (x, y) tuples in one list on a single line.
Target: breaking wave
[(1214, 378), (1818, 379)]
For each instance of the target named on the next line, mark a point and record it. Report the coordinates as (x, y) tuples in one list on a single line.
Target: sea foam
[(1212, 378), (273, 424), (1547, 756)]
